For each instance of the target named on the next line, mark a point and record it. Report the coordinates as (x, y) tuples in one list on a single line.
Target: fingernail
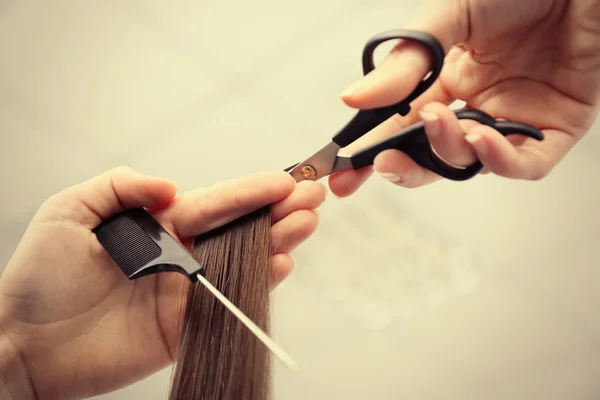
[(391, 177), (475, 139), (353, 88), (432, 122), (293, 260)]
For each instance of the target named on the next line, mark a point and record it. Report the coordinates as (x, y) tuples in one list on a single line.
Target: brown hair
[(219, 358)]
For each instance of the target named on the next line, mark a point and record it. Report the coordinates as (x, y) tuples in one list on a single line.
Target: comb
[(140, 246)]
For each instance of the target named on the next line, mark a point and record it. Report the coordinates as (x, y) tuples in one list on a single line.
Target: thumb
[(408, 63), (101, 197)]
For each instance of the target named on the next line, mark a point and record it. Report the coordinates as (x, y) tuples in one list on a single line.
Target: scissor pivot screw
[(308, 172)]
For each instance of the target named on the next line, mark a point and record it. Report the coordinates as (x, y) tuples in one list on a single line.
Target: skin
[(71, 325), (534, 61)]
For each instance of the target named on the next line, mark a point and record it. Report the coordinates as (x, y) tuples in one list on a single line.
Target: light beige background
[(383, 304)]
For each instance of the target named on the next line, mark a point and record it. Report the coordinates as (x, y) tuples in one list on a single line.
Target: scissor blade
[(288, 169), (342, 162), (319, 164)]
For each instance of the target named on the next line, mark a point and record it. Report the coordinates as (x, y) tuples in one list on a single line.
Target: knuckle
[(539, 174), (505, 170), (503, 166), (407, 184), (122, 170), (408, 181), (56, 201), (398, 121), (508, 170), (58, 206), (237, 198), (542, 166)]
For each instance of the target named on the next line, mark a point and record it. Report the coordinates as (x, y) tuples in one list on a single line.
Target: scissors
[(411, 140)]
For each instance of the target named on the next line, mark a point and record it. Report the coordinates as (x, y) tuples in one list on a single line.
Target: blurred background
[(486, 289)]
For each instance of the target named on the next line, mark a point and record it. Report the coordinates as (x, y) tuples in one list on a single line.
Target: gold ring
[(444, 161)]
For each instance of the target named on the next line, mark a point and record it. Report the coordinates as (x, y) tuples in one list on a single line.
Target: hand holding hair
[(72, 326)]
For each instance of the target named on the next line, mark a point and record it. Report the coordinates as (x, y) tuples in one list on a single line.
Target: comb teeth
[(127, 243)]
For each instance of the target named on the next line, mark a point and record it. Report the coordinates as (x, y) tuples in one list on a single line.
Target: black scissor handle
[(365, 120), (413, 142), (433, 46)]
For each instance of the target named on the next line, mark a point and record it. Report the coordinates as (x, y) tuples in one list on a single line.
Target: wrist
[(15, 382)]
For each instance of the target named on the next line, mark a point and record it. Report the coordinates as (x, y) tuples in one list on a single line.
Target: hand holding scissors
[(534, 62), (412, 140)]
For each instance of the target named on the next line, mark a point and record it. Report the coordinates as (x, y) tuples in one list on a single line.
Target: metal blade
[(342, 163), (259, 333), (288, 169), (318, 165)]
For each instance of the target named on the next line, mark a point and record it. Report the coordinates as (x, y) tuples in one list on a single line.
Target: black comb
[(140, 246)]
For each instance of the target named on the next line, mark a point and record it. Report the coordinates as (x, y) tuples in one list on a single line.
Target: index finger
[(203, 210)]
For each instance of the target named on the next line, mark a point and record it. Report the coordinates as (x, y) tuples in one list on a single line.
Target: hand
[(71, 321), (534, 61)]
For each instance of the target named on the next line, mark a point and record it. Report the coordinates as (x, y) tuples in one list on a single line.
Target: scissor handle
[(433, 46), (365, 120), (413, 142)]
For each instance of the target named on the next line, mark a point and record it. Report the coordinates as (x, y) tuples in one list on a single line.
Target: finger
[(203, 210), (446, 134), (307, 195), (408, 63), (449, 22), (282, 266), (346, 183), (288, 233), (392, 80), (101, 197), (401, 170), (532, 160)]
